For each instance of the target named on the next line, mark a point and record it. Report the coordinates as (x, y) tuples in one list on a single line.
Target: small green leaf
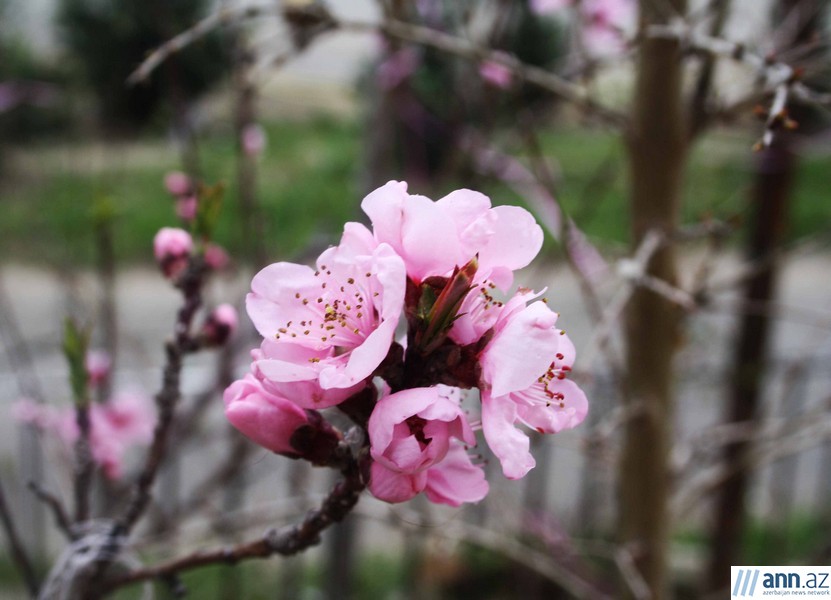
[(75, 345), (208, 209)]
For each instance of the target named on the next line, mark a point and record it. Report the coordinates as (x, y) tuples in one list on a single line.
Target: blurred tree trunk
[(775, 172), (657, 144), (773, 176)]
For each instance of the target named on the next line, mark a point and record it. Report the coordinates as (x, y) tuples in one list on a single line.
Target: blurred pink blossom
[(126, 420), (186, 207), (178, 184), (542, 7), (253, 139), (397, 67), (97, 363), (496, 74), (216, 257), (172, 247), (220, 325)]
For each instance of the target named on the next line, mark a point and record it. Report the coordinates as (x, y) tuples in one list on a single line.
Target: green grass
[(308, 187)]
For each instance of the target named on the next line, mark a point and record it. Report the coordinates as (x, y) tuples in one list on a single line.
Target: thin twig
[(457, 46), (777, 76), (58, 511), (84, 465), (224, 16), (286, 541), (16, 549)]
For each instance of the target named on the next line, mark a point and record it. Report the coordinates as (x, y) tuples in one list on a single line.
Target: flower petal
[(510, 445)]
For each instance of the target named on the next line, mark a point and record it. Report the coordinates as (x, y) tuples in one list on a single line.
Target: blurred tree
[(421, 102), (109, 39), (30, 88)]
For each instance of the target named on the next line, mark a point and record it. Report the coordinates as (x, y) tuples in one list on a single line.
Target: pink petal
[(516, 240), (393, 487), (553, 419), (267, 420), (508, 443), (521, 351), (456, 480)]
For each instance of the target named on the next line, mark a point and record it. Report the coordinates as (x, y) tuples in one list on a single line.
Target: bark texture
[(657, 144)]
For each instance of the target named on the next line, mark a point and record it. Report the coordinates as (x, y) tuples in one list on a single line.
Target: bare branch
[(16, 549), (286, 541), (223, 17), (58, 511)]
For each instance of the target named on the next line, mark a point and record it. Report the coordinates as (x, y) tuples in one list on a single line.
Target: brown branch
[(285, 541), (168, 397), (16, 549), (58, 511), (777, 76), (457, 46), (84, 466), (224, 16)]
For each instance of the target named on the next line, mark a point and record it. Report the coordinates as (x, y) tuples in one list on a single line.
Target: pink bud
[(266, 419), (97, 363), (220, 325), (172, 247), (542, 7), (216, 257), (496, 74), (253, 139), (178, 183), (186, 207)]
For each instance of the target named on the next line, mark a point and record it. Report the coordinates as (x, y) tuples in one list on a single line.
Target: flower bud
[(253, 139), (266, 419), (186, 207), (172, 248), (220, 325), (97, 364), (216, 257), (178, 184)]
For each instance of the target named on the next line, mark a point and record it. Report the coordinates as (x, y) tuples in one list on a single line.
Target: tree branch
[(285, 541), (16, 549)]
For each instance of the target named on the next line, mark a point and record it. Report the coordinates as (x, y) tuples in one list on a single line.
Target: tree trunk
[(771, 190), (657, 144)]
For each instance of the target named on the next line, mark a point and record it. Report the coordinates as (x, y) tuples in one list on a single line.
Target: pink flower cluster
[(602, 22), (123, 422), (329, 341)]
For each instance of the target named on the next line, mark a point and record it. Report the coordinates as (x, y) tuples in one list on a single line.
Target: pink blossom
[(542, 7), (434, 237), (29, 411), (306, 394), (220, 325), (265, 418), (253, 139), (125, 421), (411, 435), (456, 479), (397, 67), (178, 183), (216, 257), (496, 74), (172, 247), (97, 364), (523, 379), (604, 22), (115, 426), (338, 321), (186, 207)]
